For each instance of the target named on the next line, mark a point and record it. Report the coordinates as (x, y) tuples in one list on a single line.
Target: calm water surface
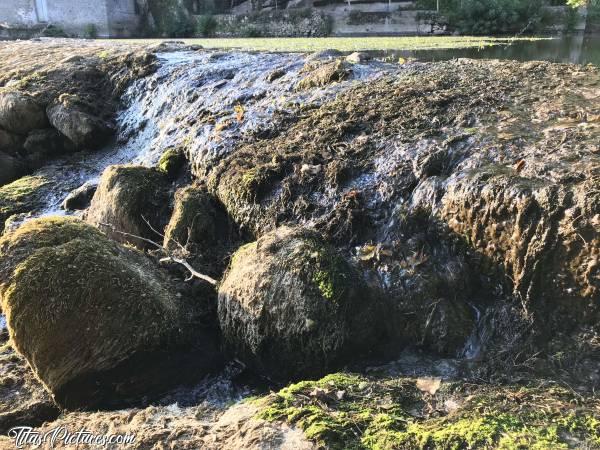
[(579, 49)]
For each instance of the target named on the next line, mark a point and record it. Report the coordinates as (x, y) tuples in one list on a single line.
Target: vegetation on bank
[(347, 411), (352, 44)]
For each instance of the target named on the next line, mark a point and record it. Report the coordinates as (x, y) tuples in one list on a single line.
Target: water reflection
[(575, 48)]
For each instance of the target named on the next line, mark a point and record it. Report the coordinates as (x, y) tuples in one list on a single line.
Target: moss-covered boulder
[(290, 306), (20, 113), (133, 200), (98, 323), (23, 195)]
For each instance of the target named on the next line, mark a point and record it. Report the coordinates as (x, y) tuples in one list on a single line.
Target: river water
[(575, 48)]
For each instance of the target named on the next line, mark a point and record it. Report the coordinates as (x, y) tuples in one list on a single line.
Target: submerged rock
[(98, 323), (131, 199), (290, 306), (19, 113)]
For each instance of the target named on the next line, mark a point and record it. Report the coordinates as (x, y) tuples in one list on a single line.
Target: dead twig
[(169, 258)]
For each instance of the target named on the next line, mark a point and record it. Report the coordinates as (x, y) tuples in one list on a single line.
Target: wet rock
[(357, 57), (83, 129), (11, 168), (189, 428), (10, 143), (198, 224), (81, 197), (131, 199), (290, 306), (274, 75), (21, 196), (171, 162), (23, 399), (129, 334), (330, 53), (42, 145), (528, 226), (323, 74), (19, 113)]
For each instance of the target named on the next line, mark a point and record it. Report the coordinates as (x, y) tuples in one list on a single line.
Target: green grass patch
[(348, 44)]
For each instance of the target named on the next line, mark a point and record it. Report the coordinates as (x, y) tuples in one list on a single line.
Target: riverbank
[(422, 235)]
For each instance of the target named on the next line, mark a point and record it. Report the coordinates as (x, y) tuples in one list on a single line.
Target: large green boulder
[(99, 323), (289, 306)]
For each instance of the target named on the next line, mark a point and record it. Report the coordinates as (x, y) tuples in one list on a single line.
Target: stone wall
[(18, 12), (286, 23), (104, 18)]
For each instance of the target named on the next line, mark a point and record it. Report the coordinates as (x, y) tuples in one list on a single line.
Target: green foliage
[(54, 31), (172, 19), (481, 17), (90, 31), (206, 25), (250, 31)]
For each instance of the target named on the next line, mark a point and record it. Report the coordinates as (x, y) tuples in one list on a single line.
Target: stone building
[(105, 18)]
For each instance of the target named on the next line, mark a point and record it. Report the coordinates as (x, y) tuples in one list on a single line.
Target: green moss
[(330, 272), (351, 411), (171, 162), (22, 195)]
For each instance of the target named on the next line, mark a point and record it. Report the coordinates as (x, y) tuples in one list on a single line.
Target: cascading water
[(195, 100)]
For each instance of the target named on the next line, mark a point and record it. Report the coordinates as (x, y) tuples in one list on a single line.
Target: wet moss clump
[(20, 196), (347, 411), (171, 162), (92, 317)]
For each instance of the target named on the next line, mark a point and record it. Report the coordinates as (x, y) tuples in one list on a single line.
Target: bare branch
[(193, 272)]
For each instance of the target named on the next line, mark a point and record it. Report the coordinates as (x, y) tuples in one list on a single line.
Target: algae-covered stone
[(171, 162), (23, 195), (131, 199), (323, 74), (19, 113), (97, 322), (289, 305)]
